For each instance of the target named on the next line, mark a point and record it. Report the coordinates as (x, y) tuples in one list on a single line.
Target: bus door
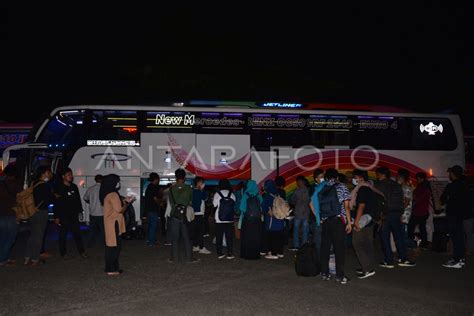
[(28, 157)]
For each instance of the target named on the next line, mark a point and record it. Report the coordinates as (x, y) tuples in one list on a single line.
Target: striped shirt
[(343, 194)]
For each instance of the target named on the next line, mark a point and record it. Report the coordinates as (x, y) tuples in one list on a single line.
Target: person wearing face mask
[(349, 180), (403, 176), (319, 182), (392, 213), (43, 197), (334, 201), (66, 213), (114, 222), (363, 201)]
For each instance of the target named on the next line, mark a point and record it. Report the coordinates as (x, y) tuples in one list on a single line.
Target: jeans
[(197, 231), (393, 225), (178, 232), (456, 232), (112, 253), (317, 231), (153, 224), (363, 244), (469, 232), (8, 231), (419, 221), (333, 233), (70, 225), (37, 226), (296, 236), (162, 223), (228, 230), (96, 231)]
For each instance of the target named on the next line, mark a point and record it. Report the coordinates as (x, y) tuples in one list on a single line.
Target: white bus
[(237, 141)]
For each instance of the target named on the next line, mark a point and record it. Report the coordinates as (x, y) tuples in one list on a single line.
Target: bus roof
[(244, 108), (237, 107)]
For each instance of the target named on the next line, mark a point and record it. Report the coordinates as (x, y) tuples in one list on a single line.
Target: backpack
[(280, 208), (254, 211), (25, 206), (226, 207), (394, 196), (329, 202), (307, 262), (178, 211), (380, 207)]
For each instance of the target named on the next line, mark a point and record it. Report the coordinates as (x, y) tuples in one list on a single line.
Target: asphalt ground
[(152, 286)]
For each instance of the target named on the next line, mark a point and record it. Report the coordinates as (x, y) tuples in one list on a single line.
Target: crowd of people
[(323, 213)]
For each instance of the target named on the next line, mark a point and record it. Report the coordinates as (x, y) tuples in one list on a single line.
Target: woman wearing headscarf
[(250, 223), (114, 222), (274, 227)]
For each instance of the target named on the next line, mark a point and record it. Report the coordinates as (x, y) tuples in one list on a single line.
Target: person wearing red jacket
[(420, 209)]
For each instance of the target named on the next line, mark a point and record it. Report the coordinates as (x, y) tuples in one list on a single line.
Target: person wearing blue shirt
[(318, 176), (197, 225), (335, 226), (274, 227)]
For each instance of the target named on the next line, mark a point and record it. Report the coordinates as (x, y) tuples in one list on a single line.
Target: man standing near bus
[(179, 199), (300, 199), (392, 224), (334, 200), (197, 225), (153, 202), (456, 199), (66, 213), (96, 213)]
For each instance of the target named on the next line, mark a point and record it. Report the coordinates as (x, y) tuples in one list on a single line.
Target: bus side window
[(323, 138), (387, 133), (264, 139), (438, 139), (114, 125)]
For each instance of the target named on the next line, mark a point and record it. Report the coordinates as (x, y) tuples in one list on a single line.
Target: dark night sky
[(419, 57)]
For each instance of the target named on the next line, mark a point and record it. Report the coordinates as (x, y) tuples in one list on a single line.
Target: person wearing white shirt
[(96, 213)]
